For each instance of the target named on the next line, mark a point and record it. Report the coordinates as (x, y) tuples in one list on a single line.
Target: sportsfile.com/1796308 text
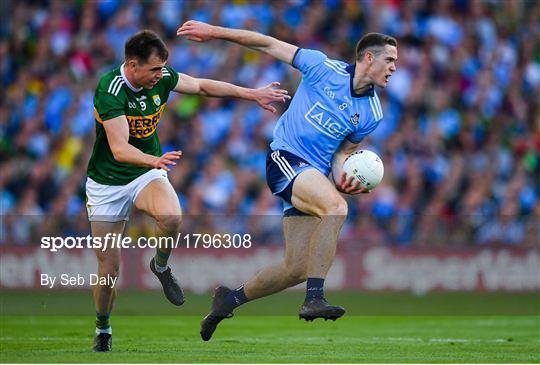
[(114, 240)]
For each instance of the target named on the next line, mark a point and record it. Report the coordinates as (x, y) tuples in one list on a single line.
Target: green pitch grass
[(486, 328)]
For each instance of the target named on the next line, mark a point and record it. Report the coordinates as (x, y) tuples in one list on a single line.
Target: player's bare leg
[(104, 295), (272, 279), (298, 231), (159, 200), (292, 270), (314, 194), (310, 241), (310, 246)]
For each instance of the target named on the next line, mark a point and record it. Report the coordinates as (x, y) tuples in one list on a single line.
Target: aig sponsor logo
[(324, 121)]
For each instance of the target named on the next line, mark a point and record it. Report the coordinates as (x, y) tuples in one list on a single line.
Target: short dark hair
[(143, 44), (373, 40)]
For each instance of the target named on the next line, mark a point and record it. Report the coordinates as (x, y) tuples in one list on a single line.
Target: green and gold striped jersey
[(143, 108)]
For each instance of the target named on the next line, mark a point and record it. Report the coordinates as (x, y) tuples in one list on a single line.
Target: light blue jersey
[(325, 111)]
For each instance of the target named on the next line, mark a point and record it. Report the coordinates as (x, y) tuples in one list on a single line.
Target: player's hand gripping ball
[(365, 166)]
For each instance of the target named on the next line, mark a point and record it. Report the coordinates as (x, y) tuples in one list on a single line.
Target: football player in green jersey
[(127, 166)]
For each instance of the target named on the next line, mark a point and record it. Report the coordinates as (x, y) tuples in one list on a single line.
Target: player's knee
[(295, 274), (336, 207), (169, 223)]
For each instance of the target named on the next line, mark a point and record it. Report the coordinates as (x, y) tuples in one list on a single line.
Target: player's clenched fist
[(196, 31), (167, 159)]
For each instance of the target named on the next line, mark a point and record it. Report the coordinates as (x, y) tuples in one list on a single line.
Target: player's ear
[(368, 57), (132, 63)]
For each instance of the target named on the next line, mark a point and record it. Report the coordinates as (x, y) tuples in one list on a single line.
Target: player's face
[(148, 74), (383, 66)]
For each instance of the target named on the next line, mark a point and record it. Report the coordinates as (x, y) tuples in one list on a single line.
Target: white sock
[(106, 330), (160, 269)]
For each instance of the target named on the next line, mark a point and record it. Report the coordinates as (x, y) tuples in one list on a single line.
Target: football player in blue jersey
[(334, 108)]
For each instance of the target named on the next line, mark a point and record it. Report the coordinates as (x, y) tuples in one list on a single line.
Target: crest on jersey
[(354, 119), (156, 99)]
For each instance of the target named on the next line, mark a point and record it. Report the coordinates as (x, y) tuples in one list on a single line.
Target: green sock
[(102, 321), (161, 258)]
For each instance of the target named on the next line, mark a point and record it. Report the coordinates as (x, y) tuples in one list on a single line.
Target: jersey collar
[(127, 81), (350, 69)]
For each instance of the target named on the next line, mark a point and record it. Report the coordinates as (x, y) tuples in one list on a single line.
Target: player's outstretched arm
[(345, 183), (202, 32), (263, 96), (117, 131)]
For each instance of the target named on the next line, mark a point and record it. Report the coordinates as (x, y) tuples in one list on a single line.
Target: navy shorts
[(282, 167)]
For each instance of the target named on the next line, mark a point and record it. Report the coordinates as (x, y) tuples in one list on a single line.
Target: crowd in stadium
[(460, 137)]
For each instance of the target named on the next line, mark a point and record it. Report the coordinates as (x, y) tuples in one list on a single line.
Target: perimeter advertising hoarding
[(417, 270)]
